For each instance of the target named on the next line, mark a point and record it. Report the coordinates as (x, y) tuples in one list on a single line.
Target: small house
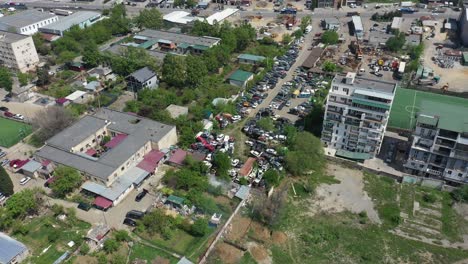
[(247, 167), (142, 78), (413, 40), (11, 250), (79, 97), (102, 73), (428, 21), (96, 236), (250, 59), (31, 169), (240, 78), (331, 23)]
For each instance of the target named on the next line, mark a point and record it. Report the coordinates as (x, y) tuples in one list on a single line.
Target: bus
[(62, 12)]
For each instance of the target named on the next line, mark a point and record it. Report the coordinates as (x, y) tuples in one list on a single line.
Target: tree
[(298, 34), (91, 56), (6, 185), (222, 163), (122, 235), (396, 42), (314, 120), (272, 177), (53, 236), (415, 51), (286, 39), (330, 37), (157, 222), (149, 18), (66, 180), (329, 66), (43, 77), (23, 78), (174, 70), (306, 155), (40, 44), (266, 123), (22, 203), (199, 227), (84, 249), (50, 121), (110, 245), (6, 82), (267, 209), (196, 69), (305, 22)]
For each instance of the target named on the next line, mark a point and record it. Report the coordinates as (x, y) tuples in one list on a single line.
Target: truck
[(62, 12), (288, 11), (401, 70)]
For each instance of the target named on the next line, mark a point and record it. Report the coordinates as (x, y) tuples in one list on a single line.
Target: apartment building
[(440, 143), (27, 22), (18, 51), (356, 115)]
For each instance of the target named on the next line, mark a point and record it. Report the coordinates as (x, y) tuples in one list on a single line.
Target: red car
[(9, 114)]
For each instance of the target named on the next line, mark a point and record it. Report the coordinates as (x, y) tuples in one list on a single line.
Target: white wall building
[(18, 51), (358, 28), (356, 115), (27, 22)]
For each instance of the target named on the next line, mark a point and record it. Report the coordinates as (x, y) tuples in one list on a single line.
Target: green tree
[(200, 227), (122, 236), (286, 39), (298, 34), (396, 42), (222, 163), (53, 236), (149, 18), (22, 203), (43, 77), (111, 245), (157, 222), (305, 155), (6, 82), (305, 21), (91, 56), (415, 51), (66, 180), (272, 177), (66, 56), (174, 70), (329, 66), (314, 120), (330, 37), (196, 70), (23, 78), (6, 185), (40, 44), (84, 249), (266, 123)]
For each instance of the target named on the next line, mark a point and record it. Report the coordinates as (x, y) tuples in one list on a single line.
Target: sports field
[(11, 132), (408, 103)]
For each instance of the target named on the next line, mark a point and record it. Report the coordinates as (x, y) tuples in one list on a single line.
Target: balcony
[(422, 143), (335, 110), (442, 151), (445, 143), (434, 172), (352, 122)]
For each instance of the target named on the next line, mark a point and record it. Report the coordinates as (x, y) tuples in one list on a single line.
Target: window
[(421, 166), (332, 98), (335, 88), (336, 132), (346, 90), (123, 167)]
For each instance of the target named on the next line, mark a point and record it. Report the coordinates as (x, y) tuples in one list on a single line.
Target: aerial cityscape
[(233, 131)]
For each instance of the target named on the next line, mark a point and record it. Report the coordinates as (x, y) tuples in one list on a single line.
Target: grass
[(11, 132), (247, 259), (406, 199), (144, 252), (453, 224)]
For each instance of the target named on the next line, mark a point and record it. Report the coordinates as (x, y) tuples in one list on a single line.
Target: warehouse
[(81, 19)]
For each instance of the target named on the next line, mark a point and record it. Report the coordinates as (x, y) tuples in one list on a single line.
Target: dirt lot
[(348, 195)]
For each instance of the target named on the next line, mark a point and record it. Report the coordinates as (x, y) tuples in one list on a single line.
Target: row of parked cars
[(7, 113)]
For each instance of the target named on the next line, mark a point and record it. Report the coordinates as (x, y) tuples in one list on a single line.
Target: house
[(75, 66), (250, 59), (331, 23), (428, 21), (142, 78), (111, 171), (243, 192), (82, 19), (413, 40), (11, 250), (219, 17), (313, 58), (175, 201), (101, 73), (177, 110), (22, 55), (247, 167), (93, 86), (79, 97), (240, 78), (27, 22), (62, 101), (31, 169), (96, 236)]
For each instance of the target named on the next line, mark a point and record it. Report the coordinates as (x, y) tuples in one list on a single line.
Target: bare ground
[(348, 195)]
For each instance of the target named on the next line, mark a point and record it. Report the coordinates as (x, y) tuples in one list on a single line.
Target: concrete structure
[(413, 40), (177, 110), (31, 169), (142, 78), (378, 38), (440, 142), (240, 78), (179, 18), (397, 23), (11, 250), (358, 28), (81, 19), (331, 23), (79, 97), (111, 169), (250, 59), (428, 21), (27, 22), (313, 58), (356, 115), (18, 52), (463, 25)]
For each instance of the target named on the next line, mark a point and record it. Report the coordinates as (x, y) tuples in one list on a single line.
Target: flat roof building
[(397, 23), (11, 250), (81, 19), (27, 22), (18, 51), (250, 59), (358, 28)]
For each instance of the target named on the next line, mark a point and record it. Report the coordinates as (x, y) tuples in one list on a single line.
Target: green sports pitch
[(11, 132), (408, 103)]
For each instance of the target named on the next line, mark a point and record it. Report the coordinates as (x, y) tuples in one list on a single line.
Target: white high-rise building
[(18, 52), (356, 115)]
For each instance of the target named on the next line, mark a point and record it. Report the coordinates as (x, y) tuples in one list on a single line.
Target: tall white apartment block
[(356, 115), (18, 52)]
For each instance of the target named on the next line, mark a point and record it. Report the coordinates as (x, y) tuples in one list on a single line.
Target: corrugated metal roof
[(75, 95), (220, 16), (357, 23), (251, 57), (31, 166), (240, 75), (10, 248), (243, 192)]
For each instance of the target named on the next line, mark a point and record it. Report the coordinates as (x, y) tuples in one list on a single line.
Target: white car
[(209, 157), (235, 162), (271, 151), (250, 143), (220, 137), (236, 118), (25, 180), (254, 105), (255, 153), (18, 116)]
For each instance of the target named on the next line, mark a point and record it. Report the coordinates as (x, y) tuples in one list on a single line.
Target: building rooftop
[(143, 74), (220, 16), (331, 20), (177, 110), (65, 23), (251, 57), (75, 95), (25, 18), (8, 37), (179, 38), (313, 57), (413, 39), (397, 22), (10, 248), (121, 49), (368, 84), (378, 37), (31, 166), (357, 23), (240, 75), (451, 116), (179, 17)]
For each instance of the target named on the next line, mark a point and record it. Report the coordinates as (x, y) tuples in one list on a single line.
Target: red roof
[(151, 160), (178, 156), (61, 101), (45, 163), (115, 141), (50, 180), (247, 168), (102, 202), (91, 152), (18, 163)]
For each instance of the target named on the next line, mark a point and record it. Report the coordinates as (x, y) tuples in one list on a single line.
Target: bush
[(6, 185), (199, 227), (110, 245), (84, 249), (52, 237), (122, 235), (429, 198)]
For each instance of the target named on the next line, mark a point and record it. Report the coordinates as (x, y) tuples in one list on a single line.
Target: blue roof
[(31, 166), (10, 248), (243, 192)]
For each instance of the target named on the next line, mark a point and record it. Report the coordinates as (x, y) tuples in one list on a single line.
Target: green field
[(408, 103), (11, 132)]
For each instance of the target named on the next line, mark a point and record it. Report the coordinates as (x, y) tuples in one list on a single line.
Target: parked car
[(234, 162), (255, 153), (135, 214), (84, 206), (19, 117), (141, 195), (129, 222), (8, 114), (271, 151), (2, 154), (25, 180), (4, 108)]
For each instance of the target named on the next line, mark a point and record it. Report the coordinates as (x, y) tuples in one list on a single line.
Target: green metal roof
[(352, 155), (452, 117), (183, 45), (251, 57), (240, 75), (200, 47), (175, 199), (370, 103), (148, 44), (428, 120)]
